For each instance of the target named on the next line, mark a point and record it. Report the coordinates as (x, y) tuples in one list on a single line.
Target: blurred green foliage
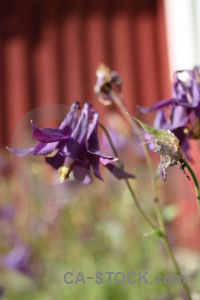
[(97, 230)]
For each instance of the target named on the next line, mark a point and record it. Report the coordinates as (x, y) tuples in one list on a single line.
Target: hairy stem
[(142, 213), (122, 107)]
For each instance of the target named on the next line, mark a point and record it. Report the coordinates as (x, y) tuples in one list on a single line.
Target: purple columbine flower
[(183, 118), (73, 148)]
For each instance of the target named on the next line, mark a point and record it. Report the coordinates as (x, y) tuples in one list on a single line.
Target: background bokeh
[(49, 52)]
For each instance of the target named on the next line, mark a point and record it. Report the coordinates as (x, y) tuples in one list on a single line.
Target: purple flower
[(2, 292), (52, 141), (18, 258), (108, 84), (7, 212), (73, 148), (183, 118)]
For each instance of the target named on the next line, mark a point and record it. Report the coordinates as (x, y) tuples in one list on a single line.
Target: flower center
[(64, 171)]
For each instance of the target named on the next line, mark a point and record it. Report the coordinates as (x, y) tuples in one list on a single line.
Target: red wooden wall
[(49, 51)]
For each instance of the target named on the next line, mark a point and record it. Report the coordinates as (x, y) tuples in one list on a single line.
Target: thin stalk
[(196, 184), (122, 107), (145, 217), (142, 213), (170, 251)]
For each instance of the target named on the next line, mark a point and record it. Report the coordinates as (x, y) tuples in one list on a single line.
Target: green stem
[(122, 107), (142, 213), (177, 268), (196, 184), (146, 219), (170, 251)]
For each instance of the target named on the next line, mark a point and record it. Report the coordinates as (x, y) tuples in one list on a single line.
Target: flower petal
[(80, 131), (82, 173), (92, 133), (49, 135), (21, 152), (56, 161), (179, 117), (160, 120), (103, 157), (76, 146), (39, 149), (94, 162), (158, 105), (71, 118), (45, 148), (118, 172)]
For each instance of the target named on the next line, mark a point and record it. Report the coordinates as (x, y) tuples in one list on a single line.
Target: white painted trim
[(181, 16)]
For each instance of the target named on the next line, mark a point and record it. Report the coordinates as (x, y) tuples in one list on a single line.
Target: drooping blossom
[(73, 148), (181, 113)]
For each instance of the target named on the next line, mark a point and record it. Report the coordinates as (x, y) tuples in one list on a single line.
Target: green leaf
[(159, 233), (160, 134), (156, 232)]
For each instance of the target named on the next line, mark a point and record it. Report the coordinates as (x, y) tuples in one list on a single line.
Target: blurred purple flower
[(18, 258), (2, 291), (7, 212), (118, 131), (73, 148), (184, 108)]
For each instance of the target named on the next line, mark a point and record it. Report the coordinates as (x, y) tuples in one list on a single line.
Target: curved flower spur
[(73, 147)]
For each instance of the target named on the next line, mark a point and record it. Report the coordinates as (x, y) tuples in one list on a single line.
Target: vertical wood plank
[(145, 57), (122, 55), (71, 53), (95, 50), (15, 83), (2, 121), (45, 66)]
